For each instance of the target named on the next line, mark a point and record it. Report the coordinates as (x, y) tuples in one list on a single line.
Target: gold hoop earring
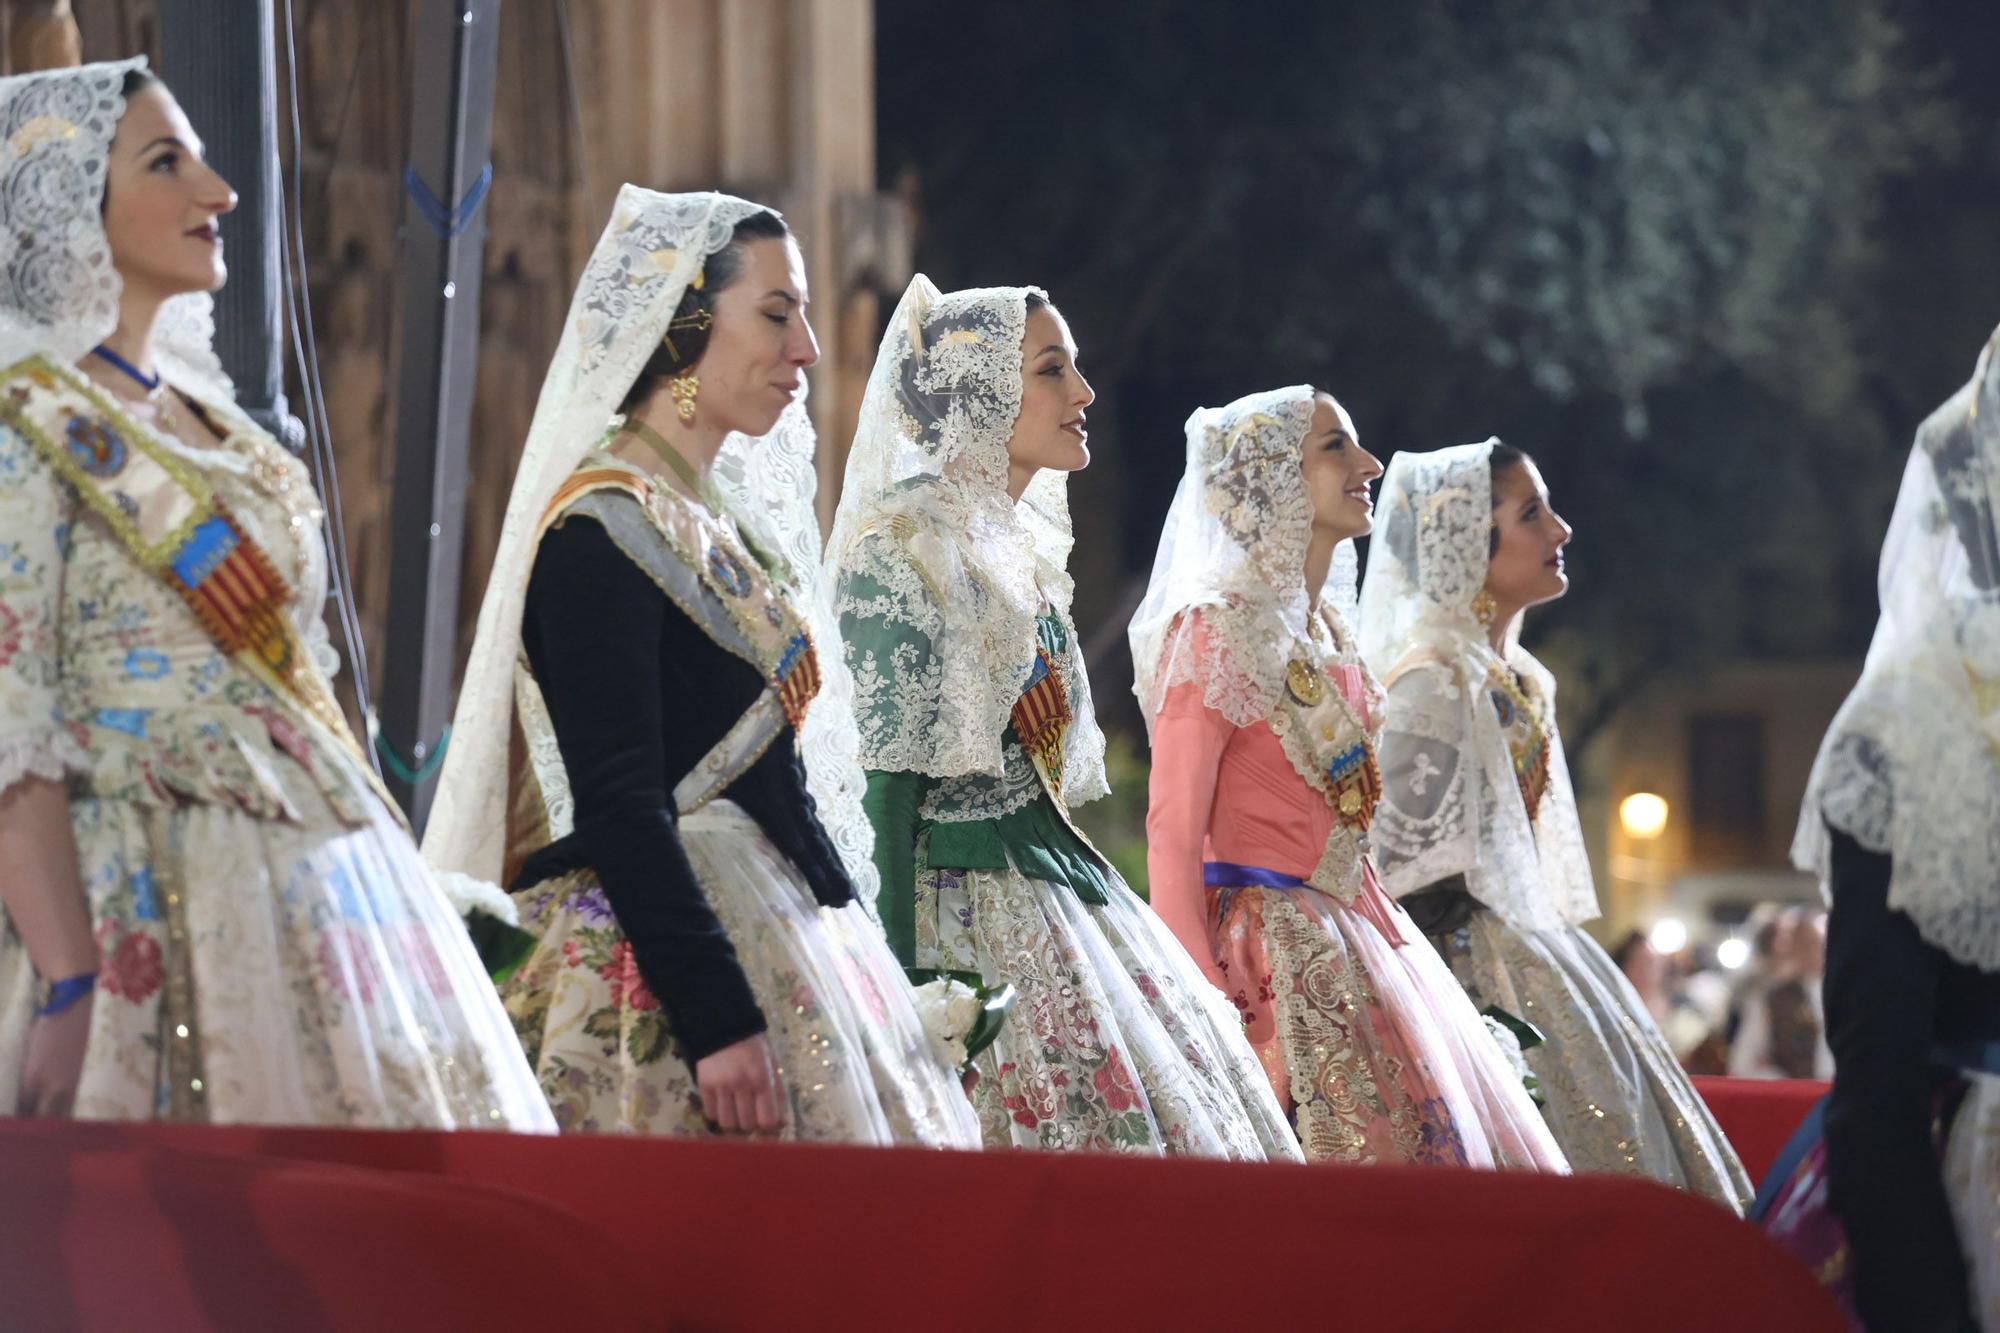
[(684, 386), (1484, 608)]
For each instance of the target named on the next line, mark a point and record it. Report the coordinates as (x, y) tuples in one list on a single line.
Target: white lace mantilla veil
[(770, 485), (1911, 764), (1450, 801), (924, 512), (650, 251), (1234, 545), (58, 288)]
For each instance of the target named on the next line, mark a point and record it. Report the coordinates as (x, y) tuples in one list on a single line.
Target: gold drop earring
[(686, 385), (683, 387), (1484, 608)]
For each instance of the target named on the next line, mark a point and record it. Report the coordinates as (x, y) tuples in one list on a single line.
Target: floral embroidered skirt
[(1616, 1098), (856, 1063), (1116, 1042), (275, 971), (1366, 1037)]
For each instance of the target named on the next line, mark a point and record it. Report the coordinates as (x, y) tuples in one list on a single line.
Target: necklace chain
[(1320, 620), (669, 455)]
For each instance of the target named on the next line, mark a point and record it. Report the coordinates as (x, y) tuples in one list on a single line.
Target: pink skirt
[(1368, 1040)]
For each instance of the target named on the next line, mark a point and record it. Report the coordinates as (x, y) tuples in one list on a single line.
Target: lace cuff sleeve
[(1234, 653), (49, 752)]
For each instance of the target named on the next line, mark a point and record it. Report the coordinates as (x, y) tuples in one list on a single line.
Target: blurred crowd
[(1765, 1020)]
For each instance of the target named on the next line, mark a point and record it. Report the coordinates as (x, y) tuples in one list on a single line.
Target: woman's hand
[(740, 1090), (54, 1065), (41, 890)]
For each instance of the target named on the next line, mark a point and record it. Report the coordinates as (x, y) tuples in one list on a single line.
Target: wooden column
[(831, 192), (39, 34), (771, 99)]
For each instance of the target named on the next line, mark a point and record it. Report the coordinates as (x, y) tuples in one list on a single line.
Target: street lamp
[(1643, 815), (1668, 936)]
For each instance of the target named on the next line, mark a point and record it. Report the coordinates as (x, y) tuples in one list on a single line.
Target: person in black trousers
[(1891, 1190)]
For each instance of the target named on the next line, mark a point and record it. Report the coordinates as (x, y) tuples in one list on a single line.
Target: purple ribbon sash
[(1225, 875)]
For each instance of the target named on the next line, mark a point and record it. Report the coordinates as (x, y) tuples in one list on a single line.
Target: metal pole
[(455, 53), (221, 64)]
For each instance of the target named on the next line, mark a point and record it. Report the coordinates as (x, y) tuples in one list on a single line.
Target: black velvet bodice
[(639, 694)]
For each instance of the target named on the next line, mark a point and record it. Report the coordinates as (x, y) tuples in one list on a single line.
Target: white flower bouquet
[(960, 1013)]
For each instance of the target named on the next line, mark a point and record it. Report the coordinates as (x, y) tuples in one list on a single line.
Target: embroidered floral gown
[(1116, 1041), (1616, 1098), (1368, 1040), (681, 892), (273, 949)]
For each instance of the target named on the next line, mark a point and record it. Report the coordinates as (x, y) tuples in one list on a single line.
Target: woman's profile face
[(1338, 472), (760, 343), (162, 202), (1050, 430), (1526, 568)]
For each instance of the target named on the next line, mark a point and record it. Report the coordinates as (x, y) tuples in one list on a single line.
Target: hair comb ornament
[(699, 321)]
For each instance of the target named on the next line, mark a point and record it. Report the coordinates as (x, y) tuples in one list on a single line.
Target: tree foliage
[(1617, 194), (1637, 239)]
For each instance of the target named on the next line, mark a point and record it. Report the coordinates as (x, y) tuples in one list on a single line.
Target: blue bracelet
[(67, 992)]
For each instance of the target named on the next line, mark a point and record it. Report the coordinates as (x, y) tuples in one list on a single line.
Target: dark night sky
[(1170, 177)]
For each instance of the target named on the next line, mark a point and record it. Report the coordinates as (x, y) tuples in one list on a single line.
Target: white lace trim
[(940, 709), (1451, 804), (650, 251), (58, 287), (769, 487), (1911, 765), (1235, 647), (1234, 545), (925, 517), (1428, 556), (50, 753)]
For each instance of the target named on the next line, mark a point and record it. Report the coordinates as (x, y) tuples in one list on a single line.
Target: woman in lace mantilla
[(186, 818), (1477, 833), (1264, 784), (682, 825), (1891, 1191), (949, 554)]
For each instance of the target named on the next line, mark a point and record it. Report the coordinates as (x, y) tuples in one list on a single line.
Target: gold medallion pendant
[(1304, 683)]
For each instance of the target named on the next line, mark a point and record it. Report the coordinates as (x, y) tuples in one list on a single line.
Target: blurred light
[(1669, 935), (1733, 953), (1643, 815)]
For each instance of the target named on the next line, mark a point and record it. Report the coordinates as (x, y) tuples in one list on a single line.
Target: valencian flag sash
[(784, 649), (1041, 719), (168, 518)]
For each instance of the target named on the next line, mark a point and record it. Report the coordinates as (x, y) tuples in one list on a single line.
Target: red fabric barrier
[(743, 1236), (1759, 1115), (101, 1229)]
